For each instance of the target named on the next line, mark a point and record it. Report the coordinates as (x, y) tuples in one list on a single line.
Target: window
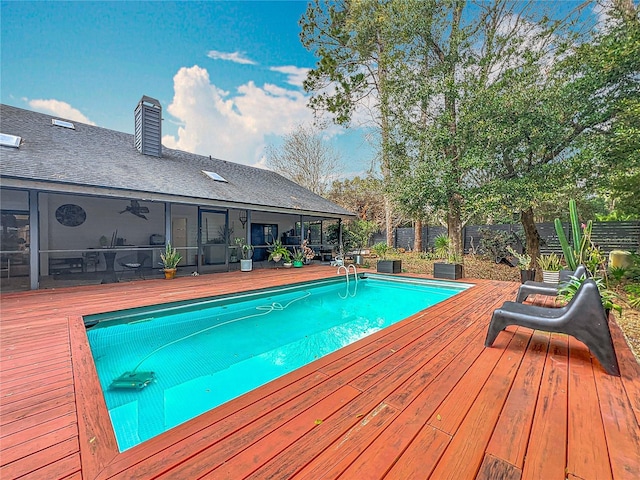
[(62, 123), (10, 140), (214, 176)]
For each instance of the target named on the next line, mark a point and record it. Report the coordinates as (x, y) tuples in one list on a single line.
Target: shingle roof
[(102, 158)]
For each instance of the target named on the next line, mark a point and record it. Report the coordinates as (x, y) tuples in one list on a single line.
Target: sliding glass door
[(213, 241)]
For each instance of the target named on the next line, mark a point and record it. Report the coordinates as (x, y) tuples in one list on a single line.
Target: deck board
[(421, 399), (546, 453)]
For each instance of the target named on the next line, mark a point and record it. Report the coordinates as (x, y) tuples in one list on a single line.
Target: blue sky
[(228, 73)]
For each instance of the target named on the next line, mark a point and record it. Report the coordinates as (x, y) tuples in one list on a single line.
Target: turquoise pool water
[(205, 353)]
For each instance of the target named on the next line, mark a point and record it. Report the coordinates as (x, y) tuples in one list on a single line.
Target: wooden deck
[(422, 399)]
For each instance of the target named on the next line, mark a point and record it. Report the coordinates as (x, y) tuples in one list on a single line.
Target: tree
[(448, 54), (362, 196), (305, 158), (351, 41), (550, 124), (509, 101)]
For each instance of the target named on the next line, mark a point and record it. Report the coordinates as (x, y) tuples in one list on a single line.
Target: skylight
[(10, 140), (62, 123), (214, 176)]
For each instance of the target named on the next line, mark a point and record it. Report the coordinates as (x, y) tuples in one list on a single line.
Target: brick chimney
[(148, 134)]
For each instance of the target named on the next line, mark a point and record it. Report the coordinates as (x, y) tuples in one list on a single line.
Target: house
[(78, 202)]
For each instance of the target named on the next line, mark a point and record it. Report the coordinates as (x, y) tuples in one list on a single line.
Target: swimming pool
[(204, 353)]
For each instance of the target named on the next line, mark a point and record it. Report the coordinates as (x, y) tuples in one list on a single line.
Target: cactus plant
[(581, 243)]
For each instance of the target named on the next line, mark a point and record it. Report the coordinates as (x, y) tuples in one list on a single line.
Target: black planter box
[(450, 271), (526, 275), (389, 266)]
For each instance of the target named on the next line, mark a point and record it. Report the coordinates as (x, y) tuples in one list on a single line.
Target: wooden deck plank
[(35, 405), (629, 369), (546, 454), (427, 438), (249, 460), (39, 441), (37, 420), (620, 426), (38, 462), (463, 457), (421, 457), (41, 369), (511, 435), (17, 388), (341, 454), (437, 378), (400, 377), (95, 435), (494, 468), (585, 438), (67, 467)]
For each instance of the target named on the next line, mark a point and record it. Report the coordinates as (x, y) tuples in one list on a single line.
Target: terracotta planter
[(170, 273)]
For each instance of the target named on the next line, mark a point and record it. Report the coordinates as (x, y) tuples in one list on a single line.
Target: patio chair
[(583, 318), (134, 263), (548, 289)]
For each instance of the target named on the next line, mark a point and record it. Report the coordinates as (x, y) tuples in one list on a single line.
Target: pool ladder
[(347, 269)]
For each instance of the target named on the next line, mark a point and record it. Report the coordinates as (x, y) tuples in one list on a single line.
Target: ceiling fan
[(136, 209)]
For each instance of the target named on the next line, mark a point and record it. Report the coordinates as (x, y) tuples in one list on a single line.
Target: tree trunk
[(454, 227), (532, 238), (417, 233), (388, 221), (385, 166)]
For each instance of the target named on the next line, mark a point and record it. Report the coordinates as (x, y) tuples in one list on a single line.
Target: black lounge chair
[(583, 318), (548, 289)]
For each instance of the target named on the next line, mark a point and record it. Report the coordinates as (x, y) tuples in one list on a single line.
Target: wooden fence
[(607, 235)]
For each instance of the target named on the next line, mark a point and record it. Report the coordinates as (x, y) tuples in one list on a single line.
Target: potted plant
[(170, 259), (307, 251), (451, 268), (551, 266), (524, 263), (441, 246), (359, 233), (246, 263), (277, 252), (298, 258), (385, 265), (569, 289)]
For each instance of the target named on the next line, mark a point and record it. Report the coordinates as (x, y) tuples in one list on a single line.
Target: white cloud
[(235, 57), (59, 109), (295, 75), (604, 12), (231, 126)]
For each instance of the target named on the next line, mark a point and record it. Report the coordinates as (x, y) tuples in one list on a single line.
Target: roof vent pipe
[(148, 119)]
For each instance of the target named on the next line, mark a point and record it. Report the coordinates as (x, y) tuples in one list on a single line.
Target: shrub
[(494, 243), (441, 246), (551, 262)]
